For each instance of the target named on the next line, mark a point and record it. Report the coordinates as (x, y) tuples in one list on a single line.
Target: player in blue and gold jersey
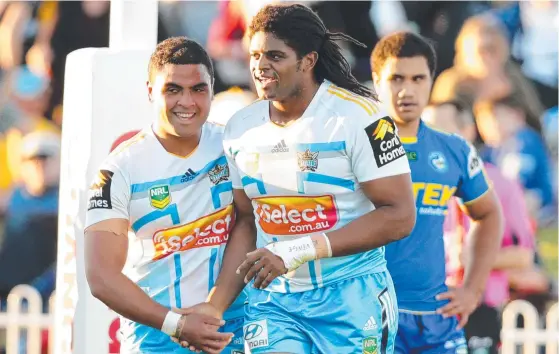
[(431, 316)]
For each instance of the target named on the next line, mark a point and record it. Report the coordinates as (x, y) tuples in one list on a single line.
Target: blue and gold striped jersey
[(442, 166)]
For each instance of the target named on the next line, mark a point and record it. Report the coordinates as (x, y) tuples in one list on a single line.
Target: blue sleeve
[(473, 183)]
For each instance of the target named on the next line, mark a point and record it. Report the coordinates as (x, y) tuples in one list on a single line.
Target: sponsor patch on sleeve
[(100, 191), (475, 164), (386, 144)]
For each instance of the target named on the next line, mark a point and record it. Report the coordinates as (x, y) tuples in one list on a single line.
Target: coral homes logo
[(210, 230), (295, 215), (384, 141)]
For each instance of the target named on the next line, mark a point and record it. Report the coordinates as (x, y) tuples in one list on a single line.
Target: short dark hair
[(179, 51), (303, 31), (403, 45)]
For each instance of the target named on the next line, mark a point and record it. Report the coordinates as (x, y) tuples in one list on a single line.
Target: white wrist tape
[(294, 253), (171, 323)]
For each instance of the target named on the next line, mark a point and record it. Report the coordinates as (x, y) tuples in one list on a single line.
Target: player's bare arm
[(230, 281), (485, 240), (106, 248), (392, 220)]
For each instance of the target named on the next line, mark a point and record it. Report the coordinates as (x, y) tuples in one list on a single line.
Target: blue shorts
[(157, 342), (234, 326), (357, 315), (429, 334)]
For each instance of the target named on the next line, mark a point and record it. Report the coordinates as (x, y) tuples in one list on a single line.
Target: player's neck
[(177, 145), (292, 108), (407, 129)]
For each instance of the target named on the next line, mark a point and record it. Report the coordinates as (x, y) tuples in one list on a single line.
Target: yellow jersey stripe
[(408, 139), (372, 105), (126, 144), (470, 202), (351, 99)]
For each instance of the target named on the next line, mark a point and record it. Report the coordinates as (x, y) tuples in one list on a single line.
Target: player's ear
[(150, 90), (309, 61), (376, 79)]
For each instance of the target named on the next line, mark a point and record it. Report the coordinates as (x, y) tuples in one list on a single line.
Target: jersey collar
[(309, 111), (414, 139)]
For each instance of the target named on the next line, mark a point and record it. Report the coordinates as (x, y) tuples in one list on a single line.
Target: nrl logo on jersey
[(219, 173), (307, 161), (370, 345), (159, 196)]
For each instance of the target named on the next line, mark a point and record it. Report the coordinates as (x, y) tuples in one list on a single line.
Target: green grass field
[(547, 243)]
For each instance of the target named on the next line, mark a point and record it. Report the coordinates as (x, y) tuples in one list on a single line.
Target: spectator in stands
[(517, 150), (226, 45), (29, 94), (532, 28), (518, 244), (25, 103), (441, 21), (483, 71), (30, 232), (551, 133), (19, 21)]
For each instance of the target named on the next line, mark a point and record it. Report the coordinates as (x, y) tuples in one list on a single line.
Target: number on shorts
[(388, 317)]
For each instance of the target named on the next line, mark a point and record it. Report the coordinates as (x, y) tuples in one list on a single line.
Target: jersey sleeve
[(230, 154), (108, 196), (233, 169), (374, 148), (473, 183)]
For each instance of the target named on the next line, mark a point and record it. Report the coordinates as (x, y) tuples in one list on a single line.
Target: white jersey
[(180, 212), (304, 178)]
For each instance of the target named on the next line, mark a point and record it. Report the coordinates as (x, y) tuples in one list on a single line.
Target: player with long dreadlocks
[(321, 183)]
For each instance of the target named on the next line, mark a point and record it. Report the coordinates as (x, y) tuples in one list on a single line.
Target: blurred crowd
[(497, 75)]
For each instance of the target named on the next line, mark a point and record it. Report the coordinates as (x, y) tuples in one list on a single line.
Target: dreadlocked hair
[(303, 31)]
